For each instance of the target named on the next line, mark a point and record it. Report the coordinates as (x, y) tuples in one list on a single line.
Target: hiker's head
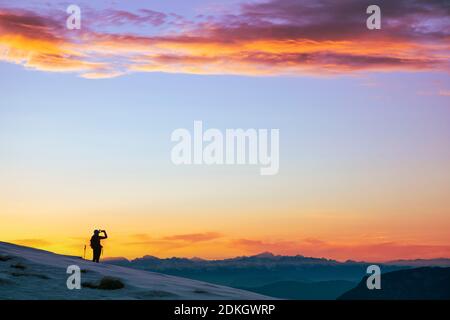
[(96, 232)]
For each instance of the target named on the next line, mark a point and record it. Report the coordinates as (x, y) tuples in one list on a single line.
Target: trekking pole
[(84, 254)]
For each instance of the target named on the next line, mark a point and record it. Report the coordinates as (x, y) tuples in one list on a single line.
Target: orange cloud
[(173, 243), (263, 38), (195, 237), (37, 43)]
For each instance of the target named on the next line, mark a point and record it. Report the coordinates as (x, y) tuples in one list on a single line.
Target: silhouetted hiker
[(95, 244)]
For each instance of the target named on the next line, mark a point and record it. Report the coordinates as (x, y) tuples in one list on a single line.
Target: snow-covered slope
[(27, 273)]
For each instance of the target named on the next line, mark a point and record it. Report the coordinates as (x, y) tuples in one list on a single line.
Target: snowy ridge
[(28, 273)]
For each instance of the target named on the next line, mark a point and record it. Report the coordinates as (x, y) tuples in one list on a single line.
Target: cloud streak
[(276, 37), (163, 245), (195, 237)]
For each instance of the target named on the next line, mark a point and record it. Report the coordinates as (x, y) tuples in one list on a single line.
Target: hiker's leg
[(96, 255)]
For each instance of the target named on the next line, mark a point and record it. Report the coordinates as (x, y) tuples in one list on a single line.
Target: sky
[(364, 117)]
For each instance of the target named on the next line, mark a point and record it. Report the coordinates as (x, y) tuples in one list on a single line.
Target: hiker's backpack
[(95, 242)]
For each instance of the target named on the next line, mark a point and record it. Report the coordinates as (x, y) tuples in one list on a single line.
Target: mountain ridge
[(440, 261)]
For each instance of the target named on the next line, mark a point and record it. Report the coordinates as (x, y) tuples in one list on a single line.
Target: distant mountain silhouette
[(438, 262), (289, 277), (411, 284), (258, 270), (268, 258), (266, 254), (264, 259)]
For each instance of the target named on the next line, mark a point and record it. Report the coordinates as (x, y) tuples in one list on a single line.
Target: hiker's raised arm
[(106, 235)]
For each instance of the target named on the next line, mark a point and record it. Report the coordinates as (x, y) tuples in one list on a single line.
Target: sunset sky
[(364, 117)]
